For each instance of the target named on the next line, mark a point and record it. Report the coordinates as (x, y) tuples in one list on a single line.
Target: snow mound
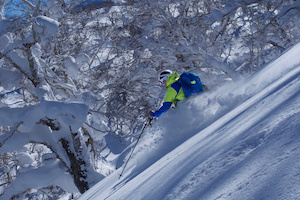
[(48, 25)]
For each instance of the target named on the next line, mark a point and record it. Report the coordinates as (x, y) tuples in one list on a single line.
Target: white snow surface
[(239, 142), (48, 25)]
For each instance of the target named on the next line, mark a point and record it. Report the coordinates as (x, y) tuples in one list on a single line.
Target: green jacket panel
[(174, 92)]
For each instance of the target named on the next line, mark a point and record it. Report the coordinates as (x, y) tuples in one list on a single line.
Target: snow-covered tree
[(39, 118), (2, 4)]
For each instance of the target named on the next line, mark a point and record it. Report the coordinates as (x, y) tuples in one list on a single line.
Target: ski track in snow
[(252, 152)]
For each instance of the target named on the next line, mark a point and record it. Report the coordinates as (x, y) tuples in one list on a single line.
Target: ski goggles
[(162, 79)]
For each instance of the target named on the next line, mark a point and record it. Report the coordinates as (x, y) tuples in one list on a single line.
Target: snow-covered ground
[(239, 142)]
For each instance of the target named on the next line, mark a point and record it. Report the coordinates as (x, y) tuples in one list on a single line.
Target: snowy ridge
[(252, 152)]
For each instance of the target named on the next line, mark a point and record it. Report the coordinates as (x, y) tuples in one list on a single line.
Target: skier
[(178, 88), (174, 91)]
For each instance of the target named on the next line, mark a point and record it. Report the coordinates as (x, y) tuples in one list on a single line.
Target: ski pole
[(145, 125)]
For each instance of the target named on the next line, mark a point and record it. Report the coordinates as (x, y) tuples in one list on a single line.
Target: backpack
[(190, 83)]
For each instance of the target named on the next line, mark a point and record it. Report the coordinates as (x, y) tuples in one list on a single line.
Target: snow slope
[(240, 142)]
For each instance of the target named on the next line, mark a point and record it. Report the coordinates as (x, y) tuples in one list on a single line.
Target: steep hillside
[(244, 144)]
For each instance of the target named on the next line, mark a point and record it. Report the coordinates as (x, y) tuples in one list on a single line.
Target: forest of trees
[(103, 58)]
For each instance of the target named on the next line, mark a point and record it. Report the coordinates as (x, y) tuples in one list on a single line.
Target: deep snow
[(239, 142)]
